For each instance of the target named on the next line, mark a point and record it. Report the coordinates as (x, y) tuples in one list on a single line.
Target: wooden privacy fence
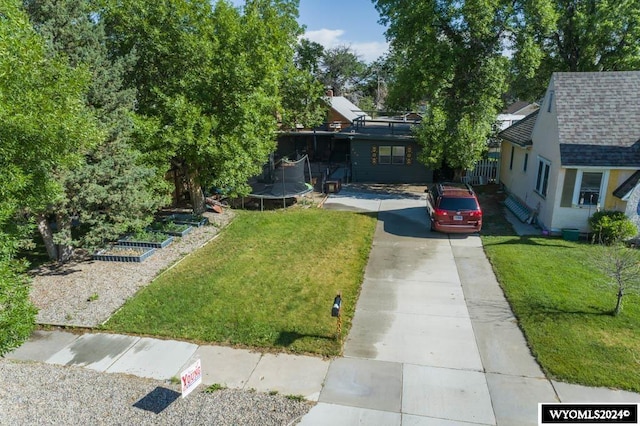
[(485, 171)]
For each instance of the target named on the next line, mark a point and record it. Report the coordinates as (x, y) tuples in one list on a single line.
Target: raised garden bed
[(171, 228), (121, 253), (188, 219), (147, 239)]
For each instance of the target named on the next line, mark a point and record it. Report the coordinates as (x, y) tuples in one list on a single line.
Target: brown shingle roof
[(520, 131)]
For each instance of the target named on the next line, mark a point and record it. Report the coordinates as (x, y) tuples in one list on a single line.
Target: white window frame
[(603, 186), (542, 187)]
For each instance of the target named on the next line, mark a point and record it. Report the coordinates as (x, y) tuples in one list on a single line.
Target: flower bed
[(121, 253), (188, 219), (147, 239), (171, 228)]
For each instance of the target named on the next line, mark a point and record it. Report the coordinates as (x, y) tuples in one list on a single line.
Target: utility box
[(570, 234)]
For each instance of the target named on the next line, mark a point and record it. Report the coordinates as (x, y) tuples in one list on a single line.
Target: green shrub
[(610, 227), (168, 226)]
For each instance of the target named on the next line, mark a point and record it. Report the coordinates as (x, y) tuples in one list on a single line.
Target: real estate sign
[(191, 378)]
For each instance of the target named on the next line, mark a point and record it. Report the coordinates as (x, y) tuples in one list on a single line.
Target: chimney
[(329, 93)]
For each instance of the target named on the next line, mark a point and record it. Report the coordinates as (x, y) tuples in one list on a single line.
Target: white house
[(579, 152), (515, 112)]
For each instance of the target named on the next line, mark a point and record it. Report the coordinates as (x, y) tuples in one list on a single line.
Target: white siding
[(545, 145), (515, 178)]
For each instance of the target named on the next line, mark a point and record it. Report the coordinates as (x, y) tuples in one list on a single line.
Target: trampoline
[(284, 179)]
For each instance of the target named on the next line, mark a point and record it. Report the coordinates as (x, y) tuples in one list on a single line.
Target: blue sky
[(334, 23)]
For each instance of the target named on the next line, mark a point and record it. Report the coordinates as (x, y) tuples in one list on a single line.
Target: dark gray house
[(353, 147)]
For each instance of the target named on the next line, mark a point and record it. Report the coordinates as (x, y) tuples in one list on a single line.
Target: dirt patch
[(494, 221)]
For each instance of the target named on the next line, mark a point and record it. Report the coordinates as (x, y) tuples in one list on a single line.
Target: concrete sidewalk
[(433, 340), (166, 359)]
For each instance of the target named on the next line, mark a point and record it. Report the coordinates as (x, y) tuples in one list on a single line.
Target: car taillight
[(475, 213), (440, 212)]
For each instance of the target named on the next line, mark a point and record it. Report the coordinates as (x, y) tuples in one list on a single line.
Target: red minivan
[(454, 207)]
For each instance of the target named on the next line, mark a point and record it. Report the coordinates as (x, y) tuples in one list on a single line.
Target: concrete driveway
[(433, 339)]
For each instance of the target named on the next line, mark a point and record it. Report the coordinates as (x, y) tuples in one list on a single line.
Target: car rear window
[(458, 204)]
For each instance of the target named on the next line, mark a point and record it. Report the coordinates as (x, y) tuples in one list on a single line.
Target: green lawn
[(565, 315), (551, 285), (268, 281)]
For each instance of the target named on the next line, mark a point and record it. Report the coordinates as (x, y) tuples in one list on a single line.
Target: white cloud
[(368, 51), (327, 38)]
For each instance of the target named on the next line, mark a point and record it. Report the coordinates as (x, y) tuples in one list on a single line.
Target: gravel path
[(86, 293), (43, 394)]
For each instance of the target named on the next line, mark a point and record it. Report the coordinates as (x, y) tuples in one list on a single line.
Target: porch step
[(341, 173), (520, 210)]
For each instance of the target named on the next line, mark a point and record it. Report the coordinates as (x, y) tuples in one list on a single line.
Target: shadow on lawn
[(287, 338), (527, 240), (557, 312)]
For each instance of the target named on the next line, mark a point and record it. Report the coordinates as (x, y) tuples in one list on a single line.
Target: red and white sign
[(191, 378)]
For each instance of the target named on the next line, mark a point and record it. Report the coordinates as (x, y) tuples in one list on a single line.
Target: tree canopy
[(109, 190), (462, 58), (449, 55), (43, 122), (209, 82), (573, 35)]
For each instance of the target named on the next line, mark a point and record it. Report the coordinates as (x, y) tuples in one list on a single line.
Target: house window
[(391, 155), (511, 160), (542, 181), (588, 187), (397, 155), (526, 160)]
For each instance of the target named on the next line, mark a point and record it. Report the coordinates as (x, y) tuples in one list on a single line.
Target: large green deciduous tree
[(44, 125), (342, 70), (208, 82), (303, 99), (449, 54), (303, 94), (110, 191), (573, 35)]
